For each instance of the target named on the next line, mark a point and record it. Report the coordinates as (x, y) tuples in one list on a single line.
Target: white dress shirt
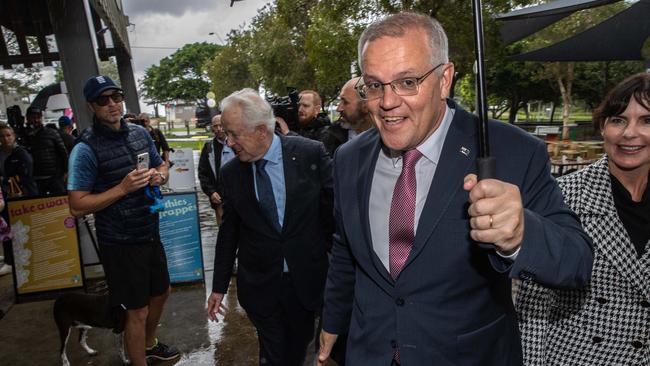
[(385, 177)]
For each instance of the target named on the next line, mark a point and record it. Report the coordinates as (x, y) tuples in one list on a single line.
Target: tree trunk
[(514, 107), (552, 112), (527, 111), (565, 82)]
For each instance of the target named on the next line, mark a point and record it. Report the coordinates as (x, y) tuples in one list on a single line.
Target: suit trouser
[(285, 334)]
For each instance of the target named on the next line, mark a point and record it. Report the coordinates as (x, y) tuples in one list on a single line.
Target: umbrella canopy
[(620, 37), (52, 97), (524, 22)]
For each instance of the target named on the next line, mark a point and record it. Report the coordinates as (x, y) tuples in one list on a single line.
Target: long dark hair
[(616, 101)]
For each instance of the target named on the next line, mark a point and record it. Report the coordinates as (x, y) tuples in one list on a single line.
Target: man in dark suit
[(407, 274), (277, 196), (214, 154)]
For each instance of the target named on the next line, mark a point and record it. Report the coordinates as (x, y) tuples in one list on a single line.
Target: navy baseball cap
[(96, 85), (65, 121)]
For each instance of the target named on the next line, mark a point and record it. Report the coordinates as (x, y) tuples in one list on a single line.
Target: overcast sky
[(170, 24)]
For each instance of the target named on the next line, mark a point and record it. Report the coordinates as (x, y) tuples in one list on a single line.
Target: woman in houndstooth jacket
[(608, 322)]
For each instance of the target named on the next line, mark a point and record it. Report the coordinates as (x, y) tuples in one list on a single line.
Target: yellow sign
[(45, 245)]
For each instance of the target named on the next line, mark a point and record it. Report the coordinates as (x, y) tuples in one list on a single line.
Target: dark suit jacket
[(303, 241), (451, 304), (210, 182)]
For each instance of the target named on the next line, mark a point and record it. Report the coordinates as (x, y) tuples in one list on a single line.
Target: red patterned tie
[(402, 214)]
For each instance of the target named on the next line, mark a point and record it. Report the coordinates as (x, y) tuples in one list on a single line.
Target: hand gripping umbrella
[(486, 163)]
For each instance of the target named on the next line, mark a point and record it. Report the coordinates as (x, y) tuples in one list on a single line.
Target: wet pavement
[(28, 334)]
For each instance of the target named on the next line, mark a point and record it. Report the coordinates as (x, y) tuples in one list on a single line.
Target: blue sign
[(180, 235)]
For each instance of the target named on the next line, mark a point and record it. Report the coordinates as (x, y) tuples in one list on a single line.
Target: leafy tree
[(594, 79), (21, 80), (280, 49), (180, 76), (230, 70), (108, 68)]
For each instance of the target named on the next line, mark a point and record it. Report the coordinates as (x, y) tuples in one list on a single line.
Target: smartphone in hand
[(143, 161)]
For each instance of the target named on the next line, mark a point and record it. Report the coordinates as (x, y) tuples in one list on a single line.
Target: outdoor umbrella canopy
[(50, 97), (620, 37), (524, 22)]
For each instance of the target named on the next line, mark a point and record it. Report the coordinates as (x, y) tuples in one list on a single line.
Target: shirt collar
[(274, 153)]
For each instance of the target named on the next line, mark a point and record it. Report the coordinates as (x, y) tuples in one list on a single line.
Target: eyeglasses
[(402, 87), (102, 100)]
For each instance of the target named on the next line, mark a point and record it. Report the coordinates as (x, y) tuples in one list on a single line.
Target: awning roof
[(521, 23), (620, 37)]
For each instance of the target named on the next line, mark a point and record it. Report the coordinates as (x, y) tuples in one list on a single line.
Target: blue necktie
[(265, 194)]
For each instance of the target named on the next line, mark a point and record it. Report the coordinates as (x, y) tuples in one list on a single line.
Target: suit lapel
[(368, 154), (614, 243), (456, 160)]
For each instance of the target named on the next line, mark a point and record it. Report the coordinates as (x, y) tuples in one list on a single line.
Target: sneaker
[(5, 269), (162, 352)]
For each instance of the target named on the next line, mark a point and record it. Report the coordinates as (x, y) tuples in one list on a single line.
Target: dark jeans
[(285, 334)]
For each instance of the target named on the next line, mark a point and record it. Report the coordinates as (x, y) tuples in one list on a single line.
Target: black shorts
[(135, 273)]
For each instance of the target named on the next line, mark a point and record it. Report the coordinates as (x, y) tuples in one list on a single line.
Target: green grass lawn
[(194, 145)]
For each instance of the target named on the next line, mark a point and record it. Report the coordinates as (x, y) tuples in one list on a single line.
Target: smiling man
[(276, 213), (407, 276), (104, 181)]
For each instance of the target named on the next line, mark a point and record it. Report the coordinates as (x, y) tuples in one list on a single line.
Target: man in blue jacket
[(407, 276)]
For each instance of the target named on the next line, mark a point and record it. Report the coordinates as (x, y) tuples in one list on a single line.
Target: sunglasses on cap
[(102, 100)]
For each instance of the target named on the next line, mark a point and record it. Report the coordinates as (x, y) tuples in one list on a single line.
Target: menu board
[(45, 245)]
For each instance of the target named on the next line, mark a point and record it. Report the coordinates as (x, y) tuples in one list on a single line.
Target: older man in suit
[(277, 198), (407, 275)]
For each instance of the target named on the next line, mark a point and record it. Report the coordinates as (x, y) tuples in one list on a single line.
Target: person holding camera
[(105, 180), (311, 123)]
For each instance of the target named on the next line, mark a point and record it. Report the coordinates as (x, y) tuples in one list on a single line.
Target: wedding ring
[(490, 221)]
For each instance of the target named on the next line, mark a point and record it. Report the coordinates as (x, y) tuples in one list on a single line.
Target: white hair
[(255, 110)]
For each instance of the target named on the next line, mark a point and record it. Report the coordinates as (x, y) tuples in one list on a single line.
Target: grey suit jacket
[(607, 322)]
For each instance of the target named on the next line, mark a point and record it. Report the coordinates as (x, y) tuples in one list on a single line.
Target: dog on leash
[(85, 311)]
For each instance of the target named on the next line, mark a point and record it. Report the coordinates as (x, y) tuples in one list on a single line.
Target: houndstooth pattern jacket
[(608, 322)]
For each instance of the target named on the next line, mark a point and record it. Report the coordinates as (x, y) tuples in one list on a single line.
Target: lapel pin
[(464, 150), (293, 158)]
